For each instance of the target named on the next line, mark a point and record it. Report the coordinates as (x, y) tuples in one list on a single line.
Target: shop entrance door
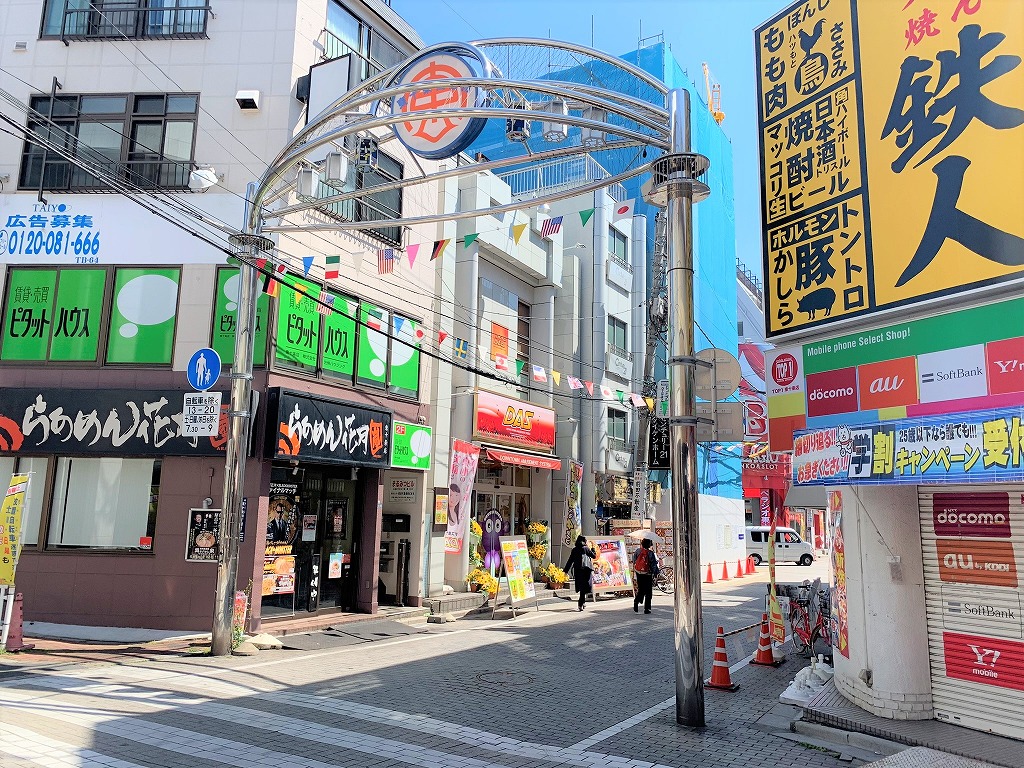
[(338, 543)]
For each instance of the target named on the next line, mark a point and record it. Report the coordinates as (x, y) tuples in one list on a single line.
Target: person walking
[(645, 566), (581, 561)]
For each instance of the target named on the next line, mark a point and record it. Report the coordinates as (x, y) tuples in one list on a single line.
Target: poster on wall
[(337, 516), (840, 618), (278, 570), (402, 490), (573, 511), (203, 537), (334, 565), (284, 511), (464, 459), (11, 518), (612, 565), (440, 508), (515, 558)]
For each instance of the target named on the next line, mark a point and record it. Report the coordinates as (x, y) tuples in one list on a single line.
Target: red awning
[(524, 459)]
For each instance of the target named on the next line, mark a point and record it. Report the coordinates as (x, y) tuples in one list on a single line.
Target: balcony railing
[(620, 352), (620, 261), (134, 19), (751, 281), (63, 176), (555, 175)]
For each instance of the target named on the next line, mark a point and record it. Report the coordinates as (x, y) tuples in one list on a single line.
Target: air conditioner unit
[(556, 130)]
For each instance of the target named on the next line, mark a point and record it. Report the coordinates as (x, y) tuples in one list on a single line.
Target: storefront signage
[(464, 459), (999, 610), (960, 361), (402, 490), (989, 563), (306, 427), (102, 229), (612, 566), (112, 422), (203, 536), (412, 446), (658, 445), (985, 514), (573, 511), (225, 318), (767, 470), (855, 157), (11, 518), (985, 446), (433, 138), (518, 423), (985, 660), (515, 558), (278, 570)]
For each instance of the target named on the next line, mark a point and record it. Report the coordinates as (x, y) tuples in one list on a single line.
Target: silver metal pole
[(683, 431), (239, 430)]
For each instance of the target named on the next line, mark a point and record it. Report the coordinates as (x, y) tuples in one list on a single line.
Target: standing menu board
[(515, 558)]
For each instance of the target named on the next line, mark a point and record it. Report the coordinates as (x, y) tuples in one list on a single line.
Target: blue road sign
[(203, 369)]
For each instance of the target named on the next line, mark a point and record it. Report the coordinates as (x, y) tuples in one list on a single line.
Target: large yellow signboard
[(892, 141)]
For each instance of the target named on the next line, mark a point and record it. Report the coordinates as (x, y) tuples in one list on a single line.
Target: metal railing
[(545, 178), (134, 19), (64, 176), (620, 261), (619, 352), (751, 281)]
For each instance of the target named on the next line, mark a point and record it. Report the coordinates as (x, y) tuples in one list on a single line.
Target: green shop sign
[(142, 316), (991, 322), (225, 319), (411, 446), (340, 337), (298, 324)]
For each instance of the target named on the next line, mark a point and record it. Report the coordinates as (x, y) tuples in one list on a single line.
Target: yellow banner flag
[(556, 377), (650, 403), (10, 527), (517, 231)]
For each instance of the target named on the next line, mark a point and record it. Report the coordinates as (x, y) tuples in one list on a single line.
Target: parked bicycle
[(810, 626), (665, 580)]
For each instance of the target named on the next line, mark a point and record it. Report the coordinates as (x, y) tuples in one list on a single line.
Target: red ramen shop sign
[(971, 514)]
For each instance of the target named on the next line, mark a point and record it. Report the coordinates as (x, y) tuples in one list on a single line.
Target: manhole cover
[(505, 678)]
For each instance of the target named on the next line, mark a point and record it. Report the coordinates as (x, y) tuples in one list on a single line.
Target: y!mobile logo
[(1005, 363)]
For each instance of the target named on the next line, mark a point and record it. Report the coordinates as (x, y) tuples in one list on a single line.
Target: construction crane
[(714, 90)]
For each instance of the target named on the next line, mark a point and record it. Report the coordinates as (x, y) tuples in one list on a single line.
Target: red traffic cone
[(739, 569), (764, 656), (709, 579), (725, 572), (720, 678)]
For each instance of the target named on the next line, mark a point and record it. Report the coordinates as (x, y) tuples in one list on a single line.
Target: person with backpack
[(646, 567), (581, 561)]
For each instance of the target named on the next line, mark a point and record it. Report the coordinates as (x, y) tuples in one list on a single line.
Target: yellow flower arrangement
[(555, 574), (475, 529), (536, 529), (487, 582), (537, 551)]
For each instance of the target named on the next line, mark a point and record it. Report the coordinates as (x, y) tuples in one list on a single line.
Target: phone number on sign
[(83, 245)]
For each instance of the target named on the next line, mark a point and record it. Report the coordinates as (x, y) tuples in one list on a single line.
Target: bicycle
[(804, 635), (665, 580)]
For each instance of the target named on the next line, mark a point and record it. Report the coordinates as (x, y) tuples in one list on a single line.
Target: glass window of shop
[(35, 468)]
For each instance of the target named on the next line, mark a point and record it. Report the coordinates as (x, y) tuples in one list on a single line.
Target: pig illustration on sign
[(823, 298)]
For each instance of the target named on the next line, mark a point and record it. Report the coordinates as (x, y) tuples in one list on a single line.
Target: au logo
[(518, 417), (435, 138)]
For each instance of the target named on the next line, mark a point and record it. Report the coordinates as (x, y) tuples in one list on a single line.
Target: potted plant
[(476, 533), (556, 577), (480, 580)]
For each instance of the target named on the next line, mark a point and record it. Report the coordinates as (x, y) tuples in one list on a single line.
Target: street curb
[(854, 739)]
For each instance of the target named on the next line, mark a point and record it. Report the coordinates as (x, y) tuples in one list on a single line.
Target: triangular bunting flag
[(420, 332), (234, 261), (556, 377), (585, 216), (539, 374), (590, 387), (470, 239), (574, 383), (332, 268), (298, 293), (636, 399), (439, 246), (500, 363), (650, 403), (352, 307), (620, 396), (307, 262), (519, 367), (399, 322), (411, 253), (517, 231), (441, 336), (260, 264)]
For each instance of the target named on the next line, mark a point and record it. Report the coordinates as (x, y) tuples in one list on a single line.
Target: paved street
[(554, 688)]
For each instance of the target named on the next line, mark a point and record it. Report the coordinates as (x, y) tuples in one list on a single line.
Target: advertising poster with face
[(611, 566), (464, 459)]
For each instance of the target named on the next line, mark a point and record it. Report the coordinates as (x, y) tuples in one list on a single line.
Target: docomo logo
[(436, 138), (821, 394), (970, 518), (984, 514), (784, 369)]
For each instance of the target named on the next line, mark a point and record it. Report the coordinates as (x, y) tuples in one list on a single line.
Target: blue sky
[(720, 32)]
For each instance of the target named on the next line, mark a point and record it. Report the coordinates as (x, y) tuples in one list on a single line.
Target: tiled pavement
[(550, 689)]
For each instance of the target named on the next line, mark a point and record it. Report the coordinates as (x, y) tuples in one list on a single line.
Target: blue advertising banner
[(976, 447)]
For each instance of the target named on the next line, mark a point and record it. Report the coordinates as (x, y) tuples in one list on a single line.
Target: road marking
[(31, 747)]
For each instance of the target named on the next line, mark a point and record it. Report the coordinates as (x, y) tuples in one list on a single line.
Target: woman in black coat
[(581, 561)]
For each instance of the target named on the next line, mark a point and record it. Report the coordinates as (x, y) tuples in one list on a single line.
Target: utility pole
[(657, 328)]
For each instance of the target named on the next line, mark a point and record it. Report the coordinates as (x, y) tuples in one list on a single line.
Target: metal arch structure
[(620, 107)]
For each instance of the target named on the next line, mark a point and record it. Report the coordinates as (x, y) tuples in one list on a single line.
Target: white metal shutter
[(973, 536)]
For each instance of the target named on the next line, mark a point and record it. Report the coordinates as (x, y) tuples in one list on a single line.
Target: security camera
[(248, 99)]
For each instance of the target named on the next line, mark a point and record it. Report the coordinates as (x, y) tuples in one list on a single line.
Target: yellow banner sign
[(10, 534), (892, 135)]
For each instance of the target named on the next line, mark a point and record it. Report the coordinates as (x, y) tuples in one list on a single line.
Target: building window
[(144, 140), (346, 34), (617, 331), (387, 204), (119, 19), (739, 328), (35, 467), (105, 503), (616, 429), (618, 247), (523, 333)]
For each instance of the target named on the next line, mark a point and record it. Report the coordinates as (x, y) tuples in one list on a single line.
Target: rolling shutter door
[(973, 537)]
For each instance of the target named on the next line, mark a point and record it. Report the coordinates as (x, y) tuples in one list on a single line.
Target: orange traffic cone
[(764, 656), (709, 579), (720, 678), (739, 569), (751, 565), (725, 571)]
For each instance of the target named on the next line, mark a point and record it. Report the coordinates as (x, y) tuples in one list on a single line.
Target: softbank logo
[(887, 384), (953, 374)]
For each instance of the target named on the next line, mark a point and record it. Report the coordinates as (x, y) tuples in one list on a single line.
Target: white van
[(789, 547)]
